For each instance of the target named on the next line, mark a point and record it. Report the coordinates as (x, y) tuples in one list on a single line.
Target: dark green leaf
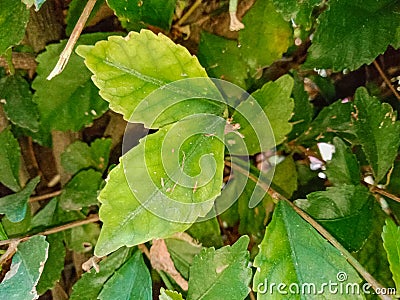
[(214, 270), (298, 11), (377, 130), (285, 177), (292, 252), (90, 284), (81, 191), (353, 33), (14, 206), (14, 16), (83, 238), (17, 102), (9, 160), (27, 266), (343, 168), (19, 228), (131, 281), (391, 242), (137, 14), (207, 233)]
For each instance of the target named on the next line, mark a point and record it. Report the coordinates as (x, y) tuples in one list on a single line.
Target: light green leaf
[(9, 160), (75, 9), (70, 100), (135, 15), (54, 263), (222, 59), (81, 191), (298, 11), (16, 97), (377, 130), (265, 38), (26, 267), (353, 33), (14, 206), (90, 284), (14, 16), (79, 156), (124, 71), (153, 195), (274, 99), (391, 242), (37, 3), (345, 211), (343, 168), (169, 295), (213, 271), (131, 281), (292, 252)]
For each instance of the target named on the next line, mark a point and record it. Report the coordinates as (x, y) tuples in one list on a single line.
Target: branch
[(387, 81), (45, 196), (360, 269)]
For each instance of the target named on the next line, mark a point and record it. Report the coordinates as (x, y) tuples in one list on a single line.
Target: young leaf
[(26, 267), (17, 102), (292, 252), (131, 281), (135, 15), (79, 156), (391, 242), (70, 100), (54, 263), (345, 211), (377, 130), (90, 284), (124, 70), (14, 16), (81, 191), (347, 38), (343, 168), (169, 295), (265, 38), (9, 160), (298, 11), (14, 206), (221, 274)]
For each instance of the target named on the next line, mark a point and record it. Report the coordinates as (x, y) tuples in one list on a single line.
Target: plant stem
[(387, 81), (45, 196), (189, 12), (360, 269), (64, 56)]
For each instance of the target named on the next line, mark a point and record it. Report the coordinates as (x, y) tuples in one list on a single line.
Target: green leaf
[(137, 14), (14, 16), (222, 59), (79, 156), (37, 3), (54, 263), (298, 11), (81, 191), (345, 211), (123, 68), (14, 206), (169, 295), (19, 228), (70, 100), (391, 242), (17, 102), (265, 38), (214, 270), (285, 177), (353, 33), (153, 195), (292, 252), (83, 238), (26, 267), (131, 281), (90, 284), (274, 99), (207, 233), (343, 168), (9, 160), (75, 9), (377, 130)]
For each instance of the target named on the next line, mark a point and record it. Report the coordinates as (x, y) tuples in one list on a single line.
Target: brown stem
[(189, 12), (88, 220), (383, 193), (387, 81), (45, 196), (360, 269)]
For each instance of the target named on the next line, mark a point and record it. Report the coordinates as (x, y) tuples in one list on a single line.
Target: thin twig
[(189, 12), (9, 253), (45, 196), (360, 269), (64, 56), (383, 192), (88, 220), (251, 294), (145, 251), (387, 81)]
